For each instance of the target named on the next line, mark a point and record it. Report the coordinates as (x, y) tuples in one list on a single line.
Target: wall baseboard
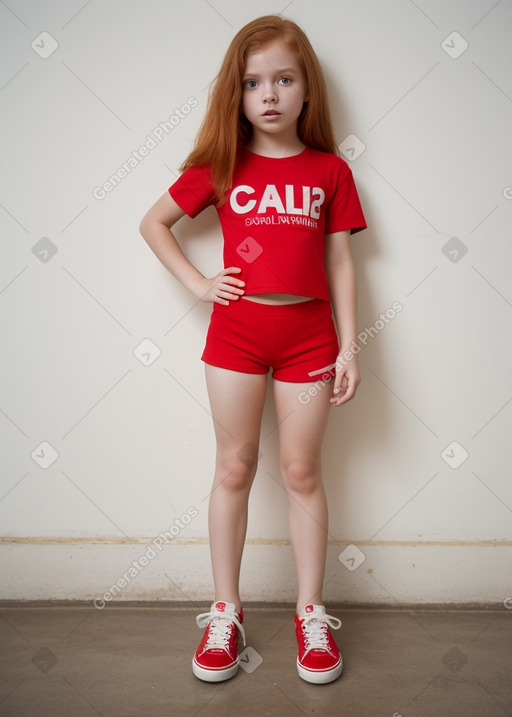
[(367, 577)]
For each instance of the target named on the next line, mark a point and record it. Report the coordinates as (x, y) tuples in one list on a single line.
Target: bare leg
[(301, 431), (236, 401)]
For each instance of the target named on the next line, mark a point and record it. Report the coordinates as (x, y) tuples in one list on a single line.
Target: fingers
[(225, 291), (218, 299), (339, 388), (231, 279), (337, 382), (344, 388), (228, 288)]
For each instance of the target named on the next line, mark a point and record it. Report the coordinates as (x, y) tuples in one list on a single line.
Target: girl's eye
[(285, 80), (251, 84)]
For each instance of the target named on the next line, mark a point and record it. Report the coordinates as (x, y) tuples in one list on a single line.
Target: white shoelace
[(315, 632), (220, 628)]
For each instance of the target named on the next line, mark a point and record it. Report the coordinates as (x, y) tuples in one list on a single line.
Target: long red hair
[(225, 129)]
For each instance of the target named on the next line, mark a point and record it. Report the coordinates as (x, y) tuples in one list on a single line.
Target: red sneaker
[(216, 658), (319, 659)]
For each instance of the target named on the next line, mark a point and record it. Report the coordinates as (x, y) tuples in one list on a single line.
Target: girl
[(266, 157)]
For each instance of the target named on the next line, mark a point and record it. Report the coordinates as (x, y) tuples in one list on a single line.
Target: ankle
[(301, 605), (235, 601)]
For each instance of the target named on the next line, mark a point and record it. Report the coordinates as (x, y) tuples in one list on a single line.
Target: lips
[(270, 112)]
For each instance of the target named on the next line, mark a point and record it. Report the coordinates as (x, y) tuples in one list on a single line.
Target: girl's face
[(274, 91)]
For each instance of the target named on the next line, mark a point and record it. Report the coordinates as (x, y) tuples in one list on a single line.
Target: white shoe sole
[(214, 675), (320, 678)]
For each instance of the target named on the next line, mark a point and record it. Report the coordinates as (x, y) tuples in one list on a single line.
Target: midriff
[(277, 298)]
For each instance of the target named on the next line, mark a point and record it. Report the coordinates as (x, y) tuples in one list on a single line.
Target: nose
[(269, 92)]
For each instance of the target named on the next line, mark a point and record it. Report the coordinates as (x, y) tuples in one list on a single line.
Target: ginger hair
[(225, 129)]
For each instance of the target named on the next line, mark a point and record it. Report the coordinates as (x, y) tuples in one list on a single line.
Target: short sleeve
[(344, 210), (193, 190)]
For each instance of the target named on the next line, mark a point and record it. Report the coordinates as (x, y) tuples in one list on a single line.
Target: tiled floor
[(136, 661)]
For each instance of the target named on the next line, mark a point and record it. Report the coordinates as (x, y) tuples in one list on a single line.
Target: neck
[(275, 145)]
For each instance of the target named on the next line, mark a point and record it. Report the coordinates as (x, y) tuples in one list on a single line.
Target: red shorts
[(298, 341)]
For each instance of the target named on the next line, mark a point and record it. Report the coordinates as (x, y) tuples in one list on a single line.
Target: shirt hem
[(311, 293), (352, 230)]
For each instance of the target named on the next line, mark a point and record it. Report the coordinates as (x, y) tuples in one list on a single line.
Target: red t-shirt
[(275, 216)]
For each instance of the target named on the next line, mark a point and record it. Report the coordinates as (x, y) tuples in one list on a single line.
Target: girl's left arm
[(341, 279)]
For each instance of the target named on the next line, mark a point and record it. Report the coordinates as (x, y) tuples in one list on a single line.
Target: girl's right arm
[(155, 229)]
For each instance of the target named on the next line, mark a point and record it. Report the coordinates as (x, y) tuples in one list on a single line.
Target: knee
[(300, 476), (236, 471)]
